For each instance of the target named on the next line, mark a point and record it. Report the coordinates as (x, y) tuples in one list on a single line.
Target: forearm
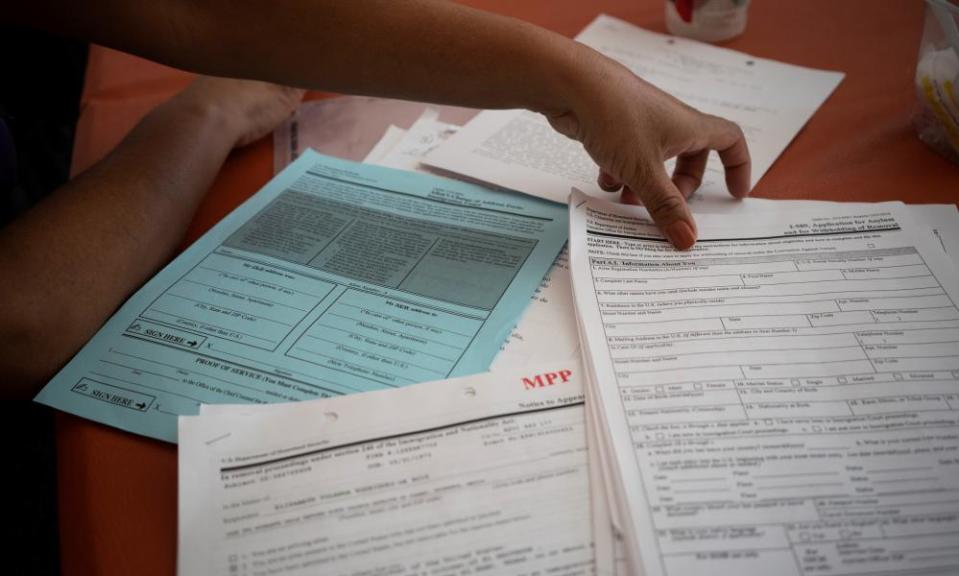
[(71, 260), (417, 49), (412, 49)]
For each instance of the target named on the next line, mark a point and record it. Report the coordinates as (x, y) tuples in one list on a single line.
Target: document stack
[(373, 371), (779, 400)]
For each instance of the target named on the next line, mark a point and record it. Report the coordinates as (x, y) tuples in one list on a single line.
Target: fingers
[(727, 138), (608, 182), (293, 96), (688, 172), (666, 205)]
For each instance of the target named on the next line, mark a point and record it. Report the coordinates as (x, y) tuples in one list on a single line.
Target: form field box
[(894, 303), (616, 328), (674, 414), (679, 375), (888, 286), (684, 399), (797, 409), (841, 318), (238, 300), (726, 310), (114, 395), (875, 260), (873, 273), (735, 358), (387, 340), (646, 283), (165, 334), (760, 278), (915, 315), (735, 344), (725, 560), (892, 404), (916, 364), (915, 336), (772, 321), (931, 350), (734, 513), (813, 370)]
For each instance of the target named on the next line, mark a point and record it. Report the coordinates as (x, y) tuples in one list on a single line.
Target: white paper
[(423, 136), (781, 399), (938, 221), (390, 138), (484, 473), (770, 100), (348, 127), (548, 327), (943, 222)]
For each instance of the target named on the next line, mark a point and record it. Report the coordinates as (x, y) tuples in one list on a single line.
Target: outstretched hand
[(629, 127)]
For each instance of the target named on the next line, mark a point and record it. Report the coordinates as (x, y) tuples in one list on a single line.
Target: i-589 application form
[(335, 278), (485, 474), (783, 398)]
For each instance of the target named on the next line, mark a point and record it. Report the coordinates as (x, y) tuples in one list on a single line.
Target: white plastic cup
[(709, 20), (937, 79)]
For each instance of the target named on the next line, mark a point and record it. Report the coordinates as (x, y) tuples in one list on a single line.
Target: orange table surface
[(117, 491)]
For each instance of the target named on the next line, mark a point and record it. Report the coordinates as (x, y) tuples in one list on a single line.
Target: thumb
[(666, 205)]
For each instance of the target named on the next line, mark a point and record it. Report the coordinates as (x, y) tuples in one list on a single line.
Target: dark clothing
[(40, 87), (40, 84)]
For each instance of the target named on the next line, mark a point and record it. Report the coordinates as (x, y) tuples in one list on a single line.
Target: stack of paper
[(765, 403), (779, 400)]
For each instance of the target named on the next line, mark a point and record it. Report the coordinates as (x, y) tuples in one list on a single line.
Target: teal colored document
[(335, 278)]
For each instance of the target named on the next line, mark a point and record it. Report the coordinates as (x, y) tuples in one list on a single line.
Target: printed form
[(548, 327), (335, 278), (547, 330), (770, 100), (782, 399), (483, 474)]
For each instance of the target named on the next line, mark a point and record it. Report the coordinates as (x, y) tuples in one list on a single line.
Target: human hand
[(629, 127), (247, 109)]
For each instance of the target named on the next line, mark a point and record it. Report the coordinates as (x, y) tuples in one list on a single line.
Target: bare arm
[(71, 260), (433, 51), (415, 49)]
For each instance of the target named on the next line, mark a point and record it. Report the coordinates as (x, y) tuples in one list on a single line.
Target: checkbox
[(660, 390), (897, 376), (697, 386), (795, 381), (842, 380)]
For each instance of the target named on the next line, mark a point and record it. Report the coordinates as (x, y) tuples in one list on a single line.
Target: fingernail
[(607, 182), (681, 235)]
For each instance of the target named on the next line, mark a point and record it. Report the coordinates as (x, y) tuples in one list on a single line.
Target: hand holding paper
[(629, 128)]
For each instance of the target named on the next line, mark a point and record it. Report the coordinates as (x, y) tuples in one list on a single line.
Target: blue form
[(335, 278)]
